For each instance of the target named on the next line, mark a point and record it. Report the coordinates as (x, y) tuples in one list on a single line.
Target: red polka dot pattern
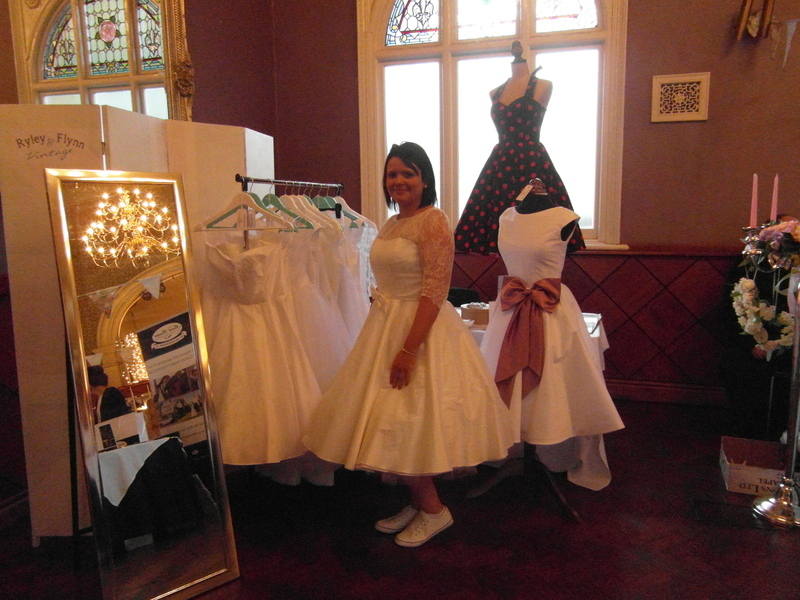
[(517, 158)]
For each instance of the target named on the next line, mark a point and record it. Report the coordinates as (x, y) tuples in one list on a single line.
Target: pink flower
[(108, 31)]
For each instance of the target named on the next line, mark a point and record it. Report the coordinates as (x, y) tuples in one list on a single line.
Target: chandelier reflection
[(131, 227)]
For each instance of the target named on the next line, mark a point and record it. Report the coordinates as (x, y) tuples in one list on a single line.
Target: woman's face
[(404, 184)]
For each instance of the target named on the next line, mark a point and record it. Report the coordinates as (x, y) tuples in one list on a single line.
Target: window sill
[(598, 245)]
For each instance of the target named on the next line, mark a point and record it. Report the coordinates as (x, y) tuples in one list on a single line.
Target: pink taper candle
[(754, 202), (773, 211)]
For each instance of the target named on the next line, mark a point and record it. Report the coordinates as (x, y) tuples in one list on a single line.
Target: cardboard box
[(476, 311), (751, 466)]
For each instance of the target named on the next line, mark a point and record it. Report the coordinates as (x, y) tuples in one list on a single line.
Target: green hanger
[(271, 200)]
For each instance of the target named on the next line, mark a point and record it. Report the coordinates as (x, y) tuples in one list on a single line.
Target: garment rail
[(316, 186)]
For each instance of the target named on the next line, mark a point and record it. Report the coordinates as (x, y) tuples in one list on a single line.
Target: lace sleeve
[(436, 249)]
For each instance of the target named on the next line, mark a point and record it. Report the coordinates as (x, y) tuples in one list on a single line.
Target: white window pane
[(565, 15), (412, 109), (61, 98), (486, 18), (476, 131), (155, 102), (117, 98), (569, 131)]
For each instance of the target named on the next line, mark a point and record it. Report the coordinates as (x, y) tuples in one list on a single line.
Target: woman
[(414, 397)]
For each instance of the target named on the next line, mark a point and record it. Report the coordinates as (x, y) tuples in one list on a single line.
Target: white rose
[(753, 327), (761, 336), (747, 284), (767, 312), (742, 322)]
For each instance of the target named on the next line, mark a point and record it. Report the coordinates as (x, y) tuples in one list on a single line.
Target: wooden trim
[(666, 393)]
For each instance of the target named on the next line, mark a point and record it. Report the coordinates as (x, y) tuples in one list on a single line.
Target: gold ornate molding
[(33, 3), (180, 72)]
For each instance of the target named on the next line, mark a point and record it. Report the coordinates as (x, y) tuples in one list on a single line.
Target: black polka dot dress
[(517, 158)]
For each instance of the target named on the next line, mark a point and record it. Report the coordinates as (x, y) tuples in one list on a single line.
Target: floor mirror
[(160, 512)]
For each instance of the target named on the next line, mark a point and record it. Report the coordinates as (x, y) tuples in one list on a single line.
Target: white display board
[(36, 137)]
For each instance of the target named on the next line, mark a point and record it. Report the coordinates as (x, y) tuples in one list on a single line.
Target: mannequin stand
[(528, 466)]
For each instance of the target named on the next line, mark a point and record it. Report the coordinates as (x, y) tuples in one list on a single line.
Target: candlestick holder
[(753, 248), (781, 509)]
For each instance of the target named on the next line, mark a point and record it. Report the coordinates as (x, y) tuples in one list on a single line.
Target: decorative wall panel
[(664, 314)]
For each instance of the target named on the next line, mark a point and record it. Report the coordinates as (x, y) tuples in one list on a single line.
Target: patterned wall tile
[(666, 316), (631, 286), (666, 268), (700, 288), (599, 302), (598, 266), (630, 348)]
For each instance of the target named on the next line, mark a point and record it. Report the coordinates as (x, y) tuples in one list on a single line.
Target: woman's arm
[(404, 362), (436, 258)]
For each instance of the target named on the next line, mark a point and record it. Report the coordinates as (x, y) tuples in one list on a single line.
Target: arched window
[(426, 68), (113, 52)]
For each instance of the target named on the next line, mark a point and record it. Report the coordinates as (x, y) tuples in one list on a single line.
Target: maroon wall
[(232, 50), (317, 93), (288, 69), (688, 184), (8, 78)]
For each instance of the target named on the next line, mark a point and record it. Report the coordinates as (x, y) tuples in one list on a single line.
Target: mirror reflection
[(162, 521)]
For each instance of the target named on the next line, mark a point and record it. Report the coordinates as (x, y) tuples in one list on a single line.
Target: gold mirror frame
[(64, 189)]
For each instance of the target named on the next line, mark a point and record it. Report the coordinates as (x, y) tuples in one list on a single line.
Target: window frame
[(610, 36), (31, 21)]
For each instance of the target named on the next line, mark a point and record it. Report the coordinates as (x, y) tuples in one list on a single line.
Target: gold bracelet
[(407, 352)]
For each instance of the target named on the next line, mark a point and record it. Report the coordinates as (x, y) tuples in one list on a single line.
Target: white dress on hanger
[(321, 328), (263, 384), (450, 415), (567, 413)]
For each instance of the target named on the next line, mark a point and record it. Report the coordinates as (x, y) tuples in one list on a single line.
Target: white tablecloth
[(118, 468)]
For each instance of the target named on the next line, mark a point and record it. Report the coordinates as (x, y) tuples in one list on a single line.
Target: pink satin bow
[(523, 344)]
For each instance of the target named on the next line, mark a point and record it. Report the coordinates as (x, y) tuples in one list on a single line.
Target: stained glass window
[(413, 22), (106, 36), (112, 52), (60, 59), (564, 15), (150, 44), (486, 18)]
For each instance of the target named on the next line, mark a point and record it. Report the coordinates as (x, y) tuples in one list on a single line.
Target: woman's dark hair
[(413, 156), (97, 376)]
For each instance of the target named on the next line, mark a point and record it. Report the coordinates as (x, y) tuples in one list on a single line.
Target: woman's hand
[(400, 372)]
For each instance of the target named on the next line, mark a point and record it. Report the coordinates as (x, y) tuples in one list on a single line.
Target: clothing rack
[(245, 181), (338, 187)]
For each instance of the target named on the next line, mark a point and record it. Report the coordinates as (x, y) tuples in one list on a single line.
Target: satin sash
[(523, 343)]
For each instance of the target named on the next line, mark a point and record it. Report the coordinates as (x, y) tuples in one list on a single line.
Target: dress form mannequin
[(537, 200), (517, 84)]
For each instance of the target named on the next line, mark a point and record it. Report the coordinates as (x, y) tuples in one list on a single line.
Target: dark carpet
[(664, 528)]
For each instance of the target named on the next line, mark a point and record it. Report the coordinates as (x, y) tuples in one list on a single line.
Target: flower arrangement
[(771, 248), (772, 330), (781, 244)]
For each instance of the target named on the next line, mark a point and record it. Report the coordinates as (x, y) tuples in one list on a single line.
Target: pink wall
[(687, 185)]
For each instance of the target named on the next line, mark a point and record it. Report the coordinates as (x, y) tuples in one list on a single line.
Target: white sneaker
[(423, 527), (397, 522)]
